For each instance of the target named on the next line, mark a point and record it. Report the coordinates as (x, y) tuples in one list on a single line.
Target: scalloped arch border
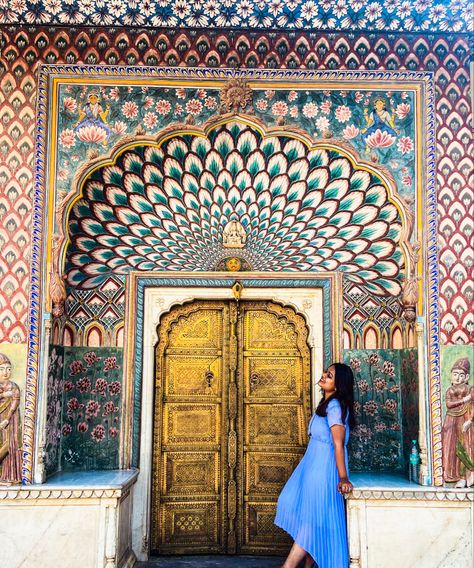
[(178, 130), (50, 76)]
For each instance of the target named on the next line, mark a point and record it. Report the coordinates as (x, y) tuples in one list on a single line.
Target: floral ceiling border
[(311, 15)]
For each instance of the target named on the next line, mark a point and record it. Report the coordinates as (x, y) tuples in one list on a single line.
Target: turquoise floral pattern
[(120, 111), (409, 390), (53, 408), (92, 390), (377, 441)]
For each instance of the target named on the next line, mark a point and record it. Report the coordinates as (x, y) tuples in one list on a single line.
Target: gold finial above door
[(237, 290)]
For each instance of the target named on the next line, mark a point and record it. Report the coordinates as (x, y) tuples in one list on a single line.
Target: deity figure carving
[(458, 428), (10, 431), (234, 235)]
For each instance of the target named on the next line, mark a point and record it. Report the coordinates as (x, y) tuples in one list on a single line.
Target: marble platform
[(393, 523), (74, 520)]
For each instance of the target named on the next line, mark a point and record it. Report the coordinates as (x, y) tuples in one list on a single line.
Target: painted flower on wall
[(343, 113), (53, 407), (163, 107), (380, 139), (280, 108), (67, 138), (403, 110), (310, 110), (405, 145), (130, 109), (92, 134), (377, 442), (90, 420)]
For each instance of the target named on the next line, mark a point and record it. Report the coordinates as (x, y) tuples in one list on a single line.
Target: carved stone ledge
[(86, 490), (415, 494), (23, 494)]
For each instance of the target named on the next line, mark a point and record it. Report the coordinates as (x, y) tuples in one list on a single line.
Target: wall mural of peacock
[(166, 206)]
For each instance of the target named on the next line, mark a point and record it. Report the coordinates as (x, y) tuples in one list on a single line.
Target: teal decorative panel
[(92, 395), (409, 390), (54, 406), (376, 444)]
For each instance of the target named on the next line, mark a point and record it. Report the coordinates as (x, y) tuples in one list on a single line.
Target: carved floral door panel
[(189, 450), (231, 407), (275, 407)]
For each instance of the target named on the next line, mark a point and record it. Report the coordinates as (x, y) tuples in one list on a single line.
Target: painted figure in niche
[(458, 428), (382, 120), (10, 431), (91, 126), (234, 235)]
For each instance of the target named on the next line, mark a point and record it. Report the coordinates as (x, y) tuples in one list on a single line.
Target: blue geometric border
[(205, 282)]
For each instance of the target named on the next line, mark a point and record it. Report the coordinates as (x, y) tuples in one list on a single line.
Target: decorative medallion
[(234, 264), (235, 96)]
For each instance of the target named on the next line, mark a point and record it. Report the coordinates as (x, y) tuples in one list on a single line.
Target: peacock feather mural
[(303, 207)]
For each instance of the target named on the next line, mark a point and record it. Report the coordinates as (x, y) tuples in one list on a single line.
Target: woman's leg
[(295, 557)]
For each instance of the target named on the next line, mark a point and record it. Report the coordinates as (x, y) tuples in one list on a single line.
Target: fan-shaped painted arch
[(164, 207)]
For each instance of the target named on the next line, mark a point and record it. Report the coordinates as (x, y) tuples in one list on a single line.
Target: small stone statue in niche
[(458, 427), (10, 431), (234, 235)]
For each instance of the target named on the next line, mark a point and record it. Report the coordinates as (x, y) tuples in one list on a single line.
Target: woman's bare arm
[(338, 435)]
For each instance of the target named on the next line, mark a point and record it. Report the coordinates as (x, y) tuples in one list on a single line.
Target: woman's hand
[(344, 486)]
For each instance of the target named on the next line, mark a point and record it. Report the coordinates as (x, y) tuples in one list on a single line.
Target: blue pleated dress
[(310, 508)]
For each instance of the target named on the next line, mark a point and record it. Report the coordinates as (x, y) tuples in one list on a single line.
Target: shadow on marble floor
[(213, 562)]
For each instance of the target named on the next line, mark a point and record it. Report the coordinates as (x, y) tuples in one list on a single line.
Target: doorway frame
[(150, 295)]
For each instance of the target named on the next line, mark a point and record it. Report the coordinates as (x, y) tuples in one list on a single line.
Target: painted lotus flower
[(70, 104), (350, 132), (119, 127), (67, 138), (92, 134), (402, 110), (380, 139)]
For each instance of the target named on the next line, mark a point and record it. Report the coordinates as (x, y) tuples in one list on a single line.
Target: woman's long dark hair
[(344, 383)]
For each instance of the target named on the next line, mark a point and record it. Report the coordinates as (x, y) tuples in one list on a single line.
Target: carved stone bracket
[(57, 289), (410, 284)]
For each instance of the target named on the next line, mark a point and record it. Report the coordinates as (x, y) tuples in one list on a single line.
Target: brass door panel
[(231, 408), (188, 481), (275, 361)]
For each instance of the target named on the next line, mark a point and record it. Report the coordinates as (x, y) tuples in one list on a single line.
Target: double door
[(232, 401)]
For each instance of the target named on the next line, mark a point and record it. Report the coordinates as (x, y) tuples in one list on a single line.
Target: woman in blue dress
[(311, 505)]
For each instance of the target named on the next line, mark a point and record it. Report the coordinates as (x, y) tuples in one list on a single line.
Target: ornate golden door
[(232, 401)]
